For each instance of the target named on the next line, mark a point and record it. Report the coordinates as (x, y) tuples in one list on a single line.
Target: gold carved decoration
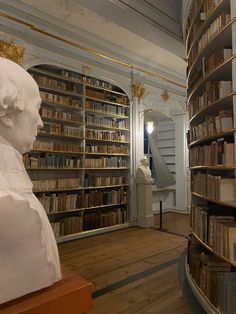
[(165, 95), (86, 70), (11, 51), (138, 90)]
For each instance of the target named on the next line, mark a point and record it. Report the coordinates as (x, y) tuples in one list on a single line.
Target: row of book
[(57, 84), (217, 231), (221, 55), (106, 122), (58, 147), (46, 160), (107, 149), (62, 100), (104, 95), (60, 115), (217, 153), (96, 82), (214, 277), (213, 91), (58, 202), (221, 21), (222, 122), (93, 181), (92, 198), (106, 162), (105, 135), (214, 187), (106, 108), (89, 221), (205, 12), (208, 64), (61, 129), (53, 184)]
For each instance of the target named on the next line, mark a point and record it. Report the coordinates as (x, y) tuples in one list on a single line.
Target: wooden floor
[(179, 223), (133, 270)]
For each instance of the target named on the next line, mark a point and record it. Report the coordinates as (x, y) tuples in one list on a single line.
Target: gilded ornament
[(12, 51), (138, 90), (165, 95)]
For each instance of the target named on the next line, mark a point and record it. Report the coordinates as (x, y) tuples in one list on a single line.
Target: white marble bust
[(143, 171), (29, 258)]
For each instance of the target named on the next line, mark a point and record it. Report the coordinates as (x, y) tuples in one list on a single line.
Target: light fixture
[(150, 126)]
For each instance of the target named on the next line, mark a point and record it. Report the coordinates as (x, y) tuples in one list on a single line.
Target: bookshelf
[(210, 44), (80, 161)]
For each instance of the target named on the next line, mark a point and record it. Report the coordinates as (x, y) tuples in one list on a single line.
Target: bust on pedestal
[(144, 183), (29, 258)]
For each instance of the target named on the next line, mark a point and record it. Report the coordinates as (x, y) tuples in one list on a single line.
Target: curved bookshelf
[(215, 106), (214, 13), (57, 190), (212, 168), (54, 75), (53, 104), (107, 114), (101, 140), (105, 127), (87, 208), (109, 168), (42, 134), (212, 251), (56, 152), (60, 91), (107, 154), (212, 45), (105, 187), (196, 13), (206, 304), (53, 169), (105, 89), (212, 137), (226, 71), (106, 101), (70, 122), (228, 204)]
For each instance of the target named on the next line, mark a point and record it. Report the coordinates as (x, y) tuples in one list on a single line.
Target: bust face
[(21, 98), (27, 122)]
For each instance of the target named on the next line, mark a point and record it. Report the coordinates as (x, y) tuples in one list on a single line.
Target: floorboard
[(133, 270)]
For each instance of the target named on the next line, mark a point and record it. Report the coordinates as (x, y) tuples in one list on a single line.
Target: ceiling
[(148, 31)]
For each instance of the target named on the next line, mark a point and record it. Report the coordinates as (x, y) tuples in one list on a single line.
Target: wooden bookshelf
[(215, 106), (225, 32), (224, 69), (212, 137), (228, 204), (107, 114), (205, 25), (106, 101), (211, 98), (202, 299), (64, 94), (213, 251)]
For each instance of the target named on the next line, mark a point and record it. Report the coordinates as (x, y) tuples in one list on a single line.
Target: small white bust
[(29, 258), (143, 171)]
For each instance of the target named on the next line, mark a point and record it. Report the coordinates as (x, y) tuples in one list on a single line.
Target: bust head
[(19, 106), (144, 161)]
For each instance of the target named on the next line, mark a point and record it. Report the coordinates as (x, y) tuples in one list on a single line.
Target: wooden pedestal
[(71, 295)]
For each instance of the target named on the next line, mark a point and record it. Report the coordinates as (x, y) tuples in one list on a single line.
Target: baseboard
[(172, 210)]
